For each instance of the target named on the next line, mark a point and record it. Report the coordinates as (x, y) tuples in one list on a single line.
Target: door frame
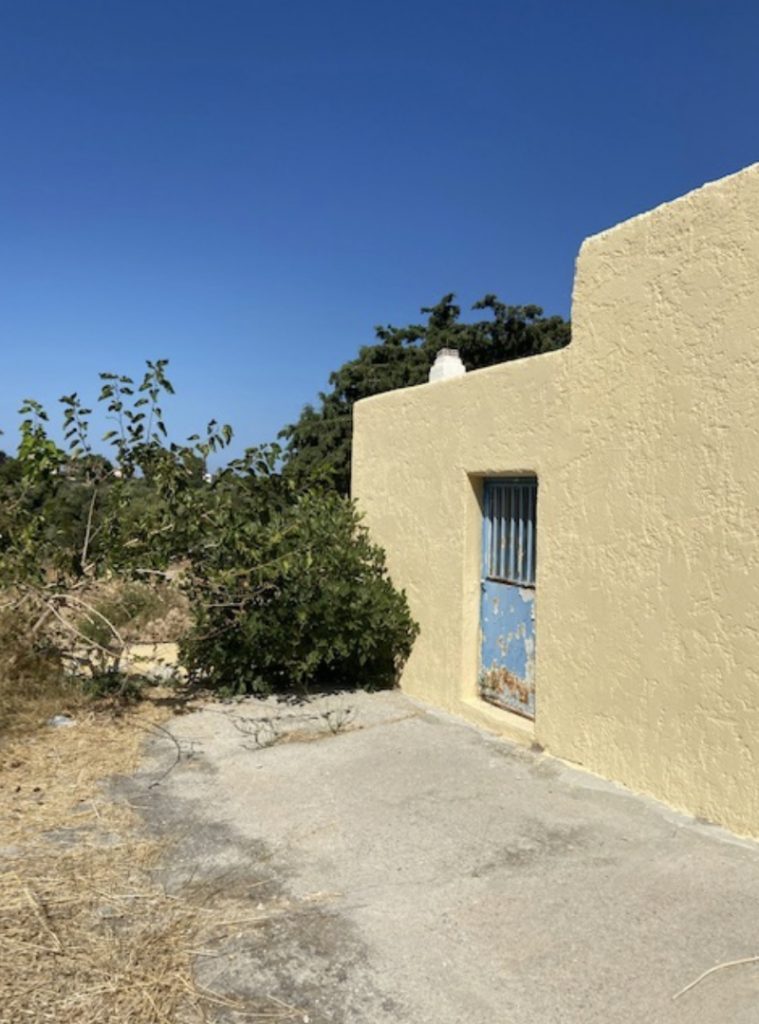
[(506, 721)]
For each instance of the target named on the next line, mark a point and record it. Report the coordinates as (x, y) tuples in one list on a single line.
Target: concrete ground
[(413, 869)]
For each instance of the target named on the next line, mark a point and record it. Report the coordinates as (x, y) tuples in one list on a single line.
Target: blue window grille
[(510, 535)]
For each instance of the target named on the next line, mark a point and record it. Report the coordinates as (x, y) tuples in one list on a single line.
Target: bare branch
[(713, 970), (88, 530)]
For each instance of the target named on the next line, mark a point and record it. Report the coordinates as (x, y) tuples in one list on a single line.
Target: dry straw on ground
[(87, 934)]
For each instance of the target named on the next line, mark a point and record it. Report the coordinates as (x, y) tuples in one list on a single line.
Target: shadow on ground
[(406, 867)]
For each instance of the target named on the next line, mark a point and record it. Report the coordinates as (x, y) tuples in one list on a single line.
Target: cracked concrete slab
[(418, 870)]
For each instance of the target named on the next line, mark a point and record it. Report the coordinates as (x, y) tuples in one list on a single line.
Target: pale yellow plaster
[(644, 434), (153, 660)]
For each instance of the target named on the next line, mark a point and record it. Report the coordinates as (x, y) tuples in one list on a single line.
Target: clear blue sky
[(248, 187)]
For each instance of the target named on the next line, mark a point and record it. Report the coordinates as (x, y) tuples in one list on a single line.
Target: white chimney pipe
[(447, 365)]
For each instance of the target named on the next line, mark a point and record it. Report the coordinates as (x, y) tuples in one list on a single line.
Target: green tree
[(318, 445), (287, 591)]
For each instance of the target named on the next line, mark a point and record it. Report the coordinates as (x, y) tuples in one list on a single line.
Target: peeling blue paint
[(507, 613)]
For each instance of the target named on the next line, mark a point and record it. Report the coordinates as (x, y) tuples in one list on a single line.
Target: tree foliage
[(315, 607), (319, 443), (286, 590)]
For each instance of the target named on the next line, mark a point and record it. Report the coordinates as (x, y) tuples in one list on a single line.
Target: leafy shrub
[(287, 590), (297, 599)]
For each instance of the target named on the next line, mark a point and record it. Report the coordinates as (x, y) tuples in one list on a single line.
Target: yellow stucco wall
[(644, 434)]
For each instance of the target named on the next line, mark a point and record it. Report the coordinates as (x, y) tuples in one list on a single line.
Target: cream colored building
[(643, 437)]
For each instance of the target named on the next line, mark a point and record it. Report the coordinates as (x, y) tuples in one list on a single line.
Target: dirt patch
[(303, 959), (89, 932)]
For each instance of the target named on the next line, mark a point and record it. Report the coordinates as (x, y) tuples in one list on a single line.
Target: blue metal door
[(507, 611)]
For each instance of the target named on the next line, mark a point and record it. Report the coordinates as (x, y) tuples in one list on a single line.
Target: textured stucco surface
[(644, 436)]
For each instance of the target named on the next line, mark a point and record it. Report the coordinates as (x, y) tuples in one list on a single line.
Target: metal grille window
[(510, 541)]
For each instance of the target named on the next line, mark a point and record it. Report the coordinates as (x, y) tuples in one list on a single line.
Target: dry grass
[(52, 652), (155, 612), (32, 684), (87, 935), (25, 710)]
